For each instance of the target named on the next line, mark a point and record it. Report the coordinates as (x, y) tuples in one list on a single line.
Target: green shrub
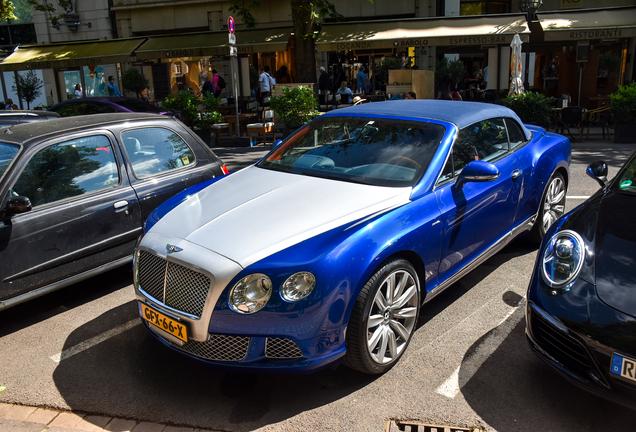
[(133, 80), (532, 108), (295, 107), (385, 65), (210, 114), (623, 104), (186, 103), (449, 72)]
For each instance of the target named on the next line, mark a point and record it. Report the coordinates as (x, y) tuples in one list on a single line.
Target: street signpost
[(234, 54)]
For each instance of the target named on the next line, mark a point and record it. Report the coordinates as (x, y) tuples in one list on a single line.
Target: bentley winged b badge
[(173, 248)]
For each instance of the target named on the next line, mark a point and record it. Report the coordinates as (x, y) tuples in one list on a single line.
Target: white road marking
[(89, 343), (451, 387)]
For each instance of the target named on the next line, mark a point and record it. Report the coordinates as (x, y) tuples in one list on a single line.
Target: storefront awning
[(586, 24), (213, 44), (421, 32), (69, 55)]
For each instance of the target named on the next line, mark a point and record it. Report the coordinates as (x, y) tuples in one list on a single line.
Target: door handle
[(121, 205), (516, 174)]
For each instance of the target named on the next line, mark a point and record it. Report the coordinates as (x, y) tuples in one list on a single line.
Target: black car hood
[(616, 252)]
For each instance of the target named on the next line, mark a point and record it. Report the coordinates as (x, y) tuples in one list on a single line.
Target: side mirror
[(19, 204), (477, 171), (598, 171), (277, 143)]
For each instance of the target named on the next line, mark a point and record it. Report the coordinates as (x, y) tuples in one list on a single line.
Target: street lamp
[(530, 7)]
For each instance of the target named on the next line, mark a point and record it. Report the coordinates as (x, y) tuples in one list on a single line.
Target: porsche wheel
[(551, 208), (384, 318)]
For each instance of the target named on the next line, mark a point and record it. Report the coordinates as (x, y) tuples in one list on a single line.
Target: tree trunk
[(305, 43)]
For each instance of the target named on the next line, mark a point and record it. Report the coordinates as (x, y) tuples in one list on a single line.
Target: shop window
[(484, 7)]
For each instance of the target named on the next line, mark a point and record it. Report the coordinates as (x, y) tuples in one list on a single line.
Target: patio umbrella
[(516, 67)]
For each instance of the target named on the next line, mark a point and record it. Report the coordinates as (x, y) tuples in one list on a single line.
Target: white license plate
[(623, 366)]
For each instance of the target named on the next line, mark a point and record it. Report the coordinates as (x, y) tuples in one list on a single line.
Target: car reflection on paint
[(581, 310), (326, 249)]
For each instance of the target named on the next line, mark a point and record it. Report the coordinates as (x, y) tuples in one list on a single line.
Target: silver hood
[(255, 212)]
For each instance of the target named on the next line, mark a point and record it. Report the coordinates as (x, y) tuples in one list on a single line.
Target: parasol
[(516, 66)]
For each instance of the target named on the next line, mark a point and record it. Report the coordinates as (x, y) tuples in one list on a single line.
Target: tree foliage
[(532, 108), (51, 10), (295, 107), (7, 10), (133, 80), (449, 72), (28, 86)]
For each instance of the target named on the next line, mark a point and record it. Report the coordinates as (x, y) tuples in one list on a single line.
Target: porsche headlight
[(250, 294), (562, 259), (298, 286)]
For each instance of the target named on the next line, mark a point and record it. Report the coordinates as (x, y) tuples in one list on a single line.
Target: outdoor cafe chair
[(598, 117), (571, 116)]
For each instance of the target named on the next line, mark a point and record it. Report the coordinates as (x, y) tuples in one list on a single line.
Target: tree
[(306, 14), (133, 80), (51, 10), (6, 10), (28, 87)]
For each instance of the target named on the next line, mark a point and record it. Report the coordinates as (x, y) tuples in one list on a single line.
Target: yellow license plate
[(164, 322)]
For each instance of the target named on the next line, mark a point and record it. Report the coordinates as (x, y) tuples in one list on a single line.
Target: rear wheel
[(384, 318), (551, 208)]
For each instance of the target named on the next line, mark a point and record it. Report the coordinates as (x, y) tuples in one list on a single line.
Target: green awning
[(586, 24), (422, 32), (213, 44), (67, 55)]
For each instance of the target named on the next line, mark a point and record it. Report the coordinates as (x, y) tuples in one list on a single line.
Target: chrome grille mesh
[(217, 347), (152, 271), (281, 348), (185, 290)]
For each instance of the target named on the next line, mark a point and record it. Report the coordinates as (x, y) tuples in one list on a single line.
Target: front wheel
[(551, 208), (384, 318)]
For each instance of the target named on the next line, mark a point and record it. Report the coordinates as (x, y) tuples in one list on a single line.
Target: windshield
[(137, 105), (383, 152), (626, 179), (7, 154)]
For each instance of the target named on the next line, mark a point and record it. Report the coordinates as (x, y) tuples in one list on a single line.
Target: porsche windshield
[(383, 152), (7, 154)]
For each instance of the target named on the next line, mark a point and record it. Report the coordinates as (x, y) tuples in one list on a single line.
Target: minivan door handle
[(516, 174), (119, 205)]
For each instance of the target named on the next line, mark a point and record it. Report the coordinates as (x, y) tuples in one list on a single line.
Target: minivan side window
[(68, 169), (155, 150)]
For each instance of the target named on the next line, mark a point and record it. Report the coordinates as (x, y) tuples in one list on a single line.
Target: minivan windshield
[(7, 154), (375, 151)]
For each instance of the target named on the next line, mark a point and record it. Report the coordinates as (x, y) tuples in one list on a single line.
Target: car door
[(479, 214), (85, 213), (161, 164)]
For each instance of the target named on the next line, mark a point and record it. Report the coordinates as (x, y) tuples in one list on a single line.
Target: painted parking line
[(451, 387), (89, 343)]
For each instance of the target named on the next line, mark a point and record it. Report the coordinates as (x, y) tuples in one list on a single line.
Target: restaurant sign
[(607, 33), (63, 63), (499, 39)]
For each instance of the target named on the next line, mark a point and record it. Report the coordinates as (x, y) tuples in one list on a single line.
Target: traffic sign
[(230, 24), (233, 51), (232, 38)]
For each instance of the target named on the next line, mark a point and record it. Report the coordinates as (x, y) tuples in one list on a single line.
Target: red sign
[(230, 24)]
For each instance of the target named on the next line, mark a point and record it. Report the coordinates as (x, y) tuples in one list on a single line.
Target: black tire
[(389, 328), (551, 207)]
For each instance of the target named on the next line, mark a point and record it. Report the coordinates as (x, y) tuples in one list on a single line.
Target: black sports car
[(581, 310)]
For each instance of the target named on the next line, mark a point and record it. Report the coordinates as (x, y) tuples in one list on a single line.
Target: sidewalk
[(18, 418)]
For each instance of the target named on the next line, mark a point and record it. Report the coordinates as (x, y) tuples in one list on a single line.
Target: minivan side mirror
[(598, 171)]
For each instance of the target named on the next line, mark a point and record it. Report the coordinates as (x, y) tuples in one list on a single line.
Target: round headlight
[(250, 294), (563, 259), (298, 286)]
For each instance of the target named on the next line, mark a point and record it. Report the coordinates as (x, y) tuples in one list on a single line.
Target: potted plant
[(187, 104), (532, 108), (134, 81), (209, 116), (295, 107), (447, 74), (623, 109)]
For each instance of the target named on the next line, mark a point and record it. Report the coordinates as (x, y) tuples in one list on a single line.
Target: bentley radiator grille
[(280, 348), (564, 348), (217, 347), (172, 284)]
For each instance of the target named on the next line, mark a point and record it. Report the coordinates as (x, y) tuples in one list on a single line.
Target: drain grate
[(410, 426)]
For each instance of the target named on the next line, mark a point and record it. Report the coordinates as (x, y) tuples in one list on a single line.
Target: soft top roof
[(460, 113)]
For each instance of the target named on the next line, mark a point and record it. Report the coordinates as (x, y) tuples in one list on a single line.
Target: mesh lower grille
[(565, 349), (185, 290), (280, 348), (217, 347)]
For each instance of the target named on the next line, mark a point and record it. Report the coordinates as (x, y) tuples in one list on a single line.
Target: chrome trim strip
[(63, 283), (175, 314)]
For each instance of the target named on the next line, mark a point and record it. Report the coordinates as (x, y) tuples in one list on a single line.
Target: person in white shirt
[(265, 81), (78, 91)]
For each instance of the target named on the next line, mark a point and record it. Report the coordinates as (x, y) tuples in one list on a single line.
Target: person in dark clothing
[(207, 86), (323, 81)]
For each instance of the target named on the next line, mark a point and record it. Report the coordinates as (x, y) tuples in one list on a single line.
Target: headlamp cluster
[(562, 259)]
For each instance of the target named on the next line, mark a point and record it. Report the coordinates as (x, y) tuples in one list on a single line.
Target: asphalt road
[(82, 349)]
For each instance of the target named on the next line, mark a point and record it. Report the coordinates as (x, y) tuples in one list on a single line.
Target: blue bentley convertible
[(326, 249)]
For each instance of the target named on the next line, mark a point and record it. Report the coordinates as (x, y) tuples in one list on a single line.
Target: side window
[(71, 109), (517, 137), (68, 169), (98, 108), (486, 140), (154, 151)]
